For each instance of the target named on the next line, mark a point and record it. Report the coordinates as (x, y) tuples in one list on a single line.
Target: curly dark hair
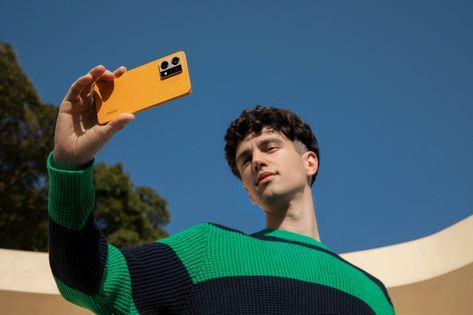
[(277, 119)]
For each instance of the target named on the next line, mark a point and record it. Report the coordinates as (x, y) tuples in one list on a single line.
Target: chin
[(273, 197), (275, 194)]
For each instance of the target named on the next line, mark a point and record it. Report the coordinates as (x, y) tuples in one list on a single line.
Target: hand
[(78, 136)]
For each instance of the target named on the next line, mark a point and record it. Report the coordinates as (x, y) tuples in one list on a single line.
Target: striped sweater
[(205, 269)]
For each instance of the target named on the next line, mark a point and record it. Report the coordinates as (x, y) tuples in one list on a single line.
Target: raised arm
[(88, 271)]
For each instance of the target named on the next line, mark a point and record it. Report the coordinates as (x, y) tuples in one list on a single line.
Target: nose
[(258, 161), (256, 166)]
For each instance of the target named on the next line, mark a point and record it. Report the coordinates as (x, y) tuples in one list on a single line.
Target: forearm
[(77, 250), (71, 195)]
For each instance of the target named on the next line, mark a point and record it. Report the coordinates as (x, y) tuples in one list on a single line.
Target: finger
[(121, 70), (97, 73), (83, 83), (119, 122), (106, 76), (77, 87), (116, 125)]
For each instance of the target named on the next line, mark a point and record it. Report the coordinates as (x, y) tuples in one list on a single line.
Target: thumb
[(117, 124), (120, 121)]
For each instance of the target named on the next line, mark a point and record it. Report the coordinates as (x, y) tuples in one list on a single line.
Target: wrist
[(62, 164)]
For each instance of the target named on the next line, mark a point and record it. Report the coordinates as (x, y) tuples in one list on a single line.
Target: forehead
[(256, 137)]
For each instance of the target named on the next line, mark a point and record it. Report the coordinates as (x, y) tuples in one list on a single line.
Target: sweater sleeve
[(88, 271)]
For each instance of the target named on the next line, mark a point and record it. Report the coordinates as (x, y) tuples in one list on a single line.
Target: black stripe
[(77, 258), (160, 282), (278, 239), (271, 295)]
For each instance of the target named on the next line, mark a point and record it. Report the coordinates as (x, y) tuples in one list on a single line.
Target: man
[(208, 268)]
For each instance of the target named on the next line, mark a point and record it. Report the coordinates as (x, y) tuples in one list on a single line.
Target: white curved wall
[(430, 275)]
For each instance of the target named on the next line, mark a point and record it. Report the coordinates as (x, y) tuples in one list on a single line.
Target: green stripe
[(117, 284), (93, 303), (114, 296), (71, 195), (190, 246)]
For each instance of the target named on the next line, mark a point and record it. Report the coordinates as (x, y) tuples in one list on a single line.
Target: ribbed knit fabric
[(206, 269)]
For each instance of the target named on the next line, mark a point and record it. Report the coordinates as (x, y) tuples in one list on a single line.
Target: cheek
[(296, 167), (246, 179)]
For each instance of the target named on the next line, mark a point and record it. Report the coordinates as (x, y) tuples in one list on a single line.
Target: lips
[(262, 176)]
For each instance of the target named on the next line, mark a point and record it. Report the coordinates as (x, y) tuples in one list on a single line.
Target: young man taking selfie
[(208, 268)]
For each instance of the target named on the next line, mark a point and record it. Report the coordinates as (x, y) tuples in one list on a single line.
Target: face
[(273, 170)]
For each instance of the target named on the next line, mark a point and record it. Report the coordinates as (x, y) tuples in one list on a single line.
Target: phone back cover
[(139, 89)]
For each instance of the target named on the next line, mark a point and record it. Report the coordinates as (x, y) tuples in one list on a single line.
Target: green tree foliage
[(126, 214), (26, 137)]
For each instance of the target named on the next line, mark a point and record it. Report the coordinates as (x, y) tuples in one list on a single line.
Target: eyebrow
[(262, 143)]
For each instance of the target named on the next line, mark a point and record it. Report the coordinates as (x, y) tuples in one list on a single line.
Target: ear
[(249, 195), (311, 163)]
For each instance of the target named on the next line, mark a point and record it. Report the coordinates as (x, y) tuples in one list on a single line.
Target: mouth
[(264, 177)]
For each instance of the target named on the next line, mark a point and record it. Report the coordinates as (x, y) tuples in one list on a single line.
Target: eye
[(272, 148), (245, 162)]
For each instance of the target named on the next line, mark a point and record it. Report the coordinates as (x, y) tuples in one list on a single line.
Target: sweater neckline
[(290, 236)]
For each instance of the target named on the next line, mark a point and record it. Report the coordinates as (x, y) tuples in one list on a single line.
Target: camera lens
[(175, 60), (164, 65)]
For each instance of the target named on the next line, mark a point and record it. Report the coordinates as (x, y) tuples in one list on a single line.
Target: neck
[(297, 215)]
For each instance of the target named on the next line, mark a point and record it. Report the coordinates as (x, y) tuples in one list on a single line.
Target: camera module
[(170, 67), (175, 60)]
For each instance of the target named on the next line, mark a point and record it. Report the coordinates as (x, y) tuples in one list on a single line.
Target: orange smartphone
[(151, 84)]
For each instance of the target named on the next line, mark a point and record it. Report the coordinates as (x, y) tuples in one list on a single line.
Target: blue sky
[(386, 86)]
